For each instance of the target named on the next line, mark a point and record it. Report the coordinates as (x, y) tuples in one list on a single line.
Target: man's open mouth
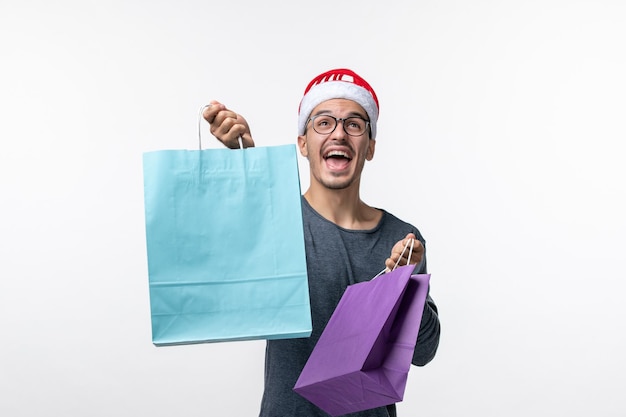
[(337, 159)]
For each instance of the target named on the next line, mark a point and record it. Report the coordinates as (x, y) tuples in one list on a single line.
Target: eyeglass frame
[(343, 123)]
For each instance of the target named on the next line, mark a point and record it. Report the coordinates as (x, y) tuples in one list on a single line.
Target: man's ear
[(302, 146), (371, 147)]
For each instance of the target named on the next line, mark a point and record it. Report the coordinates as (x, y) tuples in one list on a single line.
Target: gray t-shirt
[(337, 257)]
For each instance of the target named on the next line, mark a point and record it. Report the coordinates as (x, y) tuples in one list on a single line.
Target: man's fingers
[(234, 142), (207, 114), (247, 140), (211, 110)]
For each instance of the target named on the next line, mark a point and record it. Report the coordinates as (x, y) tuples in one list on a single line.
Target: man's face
[(337, 159)]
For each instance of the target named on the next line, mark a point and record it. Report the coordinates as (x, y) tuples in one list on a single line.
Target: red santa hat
[(338, 83)]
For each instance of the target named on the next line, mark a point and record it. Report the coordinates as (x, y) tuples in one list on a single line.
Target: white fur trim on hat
[(337, 89)]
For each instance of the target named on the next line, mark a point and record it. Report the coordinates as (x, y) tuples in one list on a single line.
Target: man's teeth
[(337, 153)]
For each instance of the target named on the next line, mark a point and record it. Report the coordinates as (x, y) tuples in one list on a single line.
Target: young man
[(346, 240)]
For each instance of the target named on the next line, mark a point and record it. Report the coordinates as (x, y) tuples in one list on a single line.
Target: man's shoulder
[(393, 219), (393, 224)]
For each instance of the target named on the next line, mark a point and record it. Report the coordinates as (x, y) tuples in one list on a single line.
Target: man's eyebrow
[(330, 113)]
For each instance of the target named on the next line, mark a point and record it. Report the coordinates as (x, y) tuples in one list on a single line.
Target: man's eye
[(323, 121)]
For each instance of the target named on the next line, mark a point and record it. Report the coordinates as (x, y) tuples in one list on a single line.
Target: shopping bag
[(363, 356), (225, 245)]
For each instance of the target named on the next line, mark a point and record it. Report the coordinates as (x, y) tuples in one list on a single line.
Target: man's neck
[(343, 207)]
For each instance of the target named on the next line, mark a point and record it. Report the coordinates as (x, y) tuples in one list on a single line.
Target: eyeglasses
[(325, 124)]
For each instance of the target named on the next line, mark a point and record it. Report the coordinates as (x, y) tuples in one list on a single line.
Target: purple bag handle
[(398, 261)]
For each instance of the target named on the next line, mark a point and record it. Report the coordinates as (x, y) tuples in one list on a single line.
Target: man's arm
[(428, 338)]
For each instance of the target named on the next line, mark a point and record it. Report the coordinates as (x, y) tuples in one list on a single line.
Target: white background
[(500, 136)]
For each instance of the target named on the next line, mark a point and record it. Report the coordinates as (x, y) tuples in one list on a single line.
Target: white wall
[(501, 137)]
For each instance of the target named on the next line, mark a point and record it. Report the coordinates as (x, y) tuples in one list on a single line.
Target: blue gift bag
[(225, 245)]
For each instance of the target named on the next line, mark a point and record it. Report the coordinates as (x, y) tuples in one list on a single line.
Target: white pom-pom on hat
[(338, 83)]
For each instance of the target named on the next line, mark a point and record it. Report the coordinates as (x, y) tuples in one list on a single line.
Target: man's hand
[(396, 252), (227, 126)]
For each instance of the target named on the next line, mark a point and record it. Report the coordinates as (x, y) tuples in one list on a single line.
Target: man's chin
[(337, 183)]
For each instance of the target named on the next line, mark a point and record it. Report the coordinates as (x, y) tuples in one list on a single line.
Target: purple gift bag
[(364, 354)]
